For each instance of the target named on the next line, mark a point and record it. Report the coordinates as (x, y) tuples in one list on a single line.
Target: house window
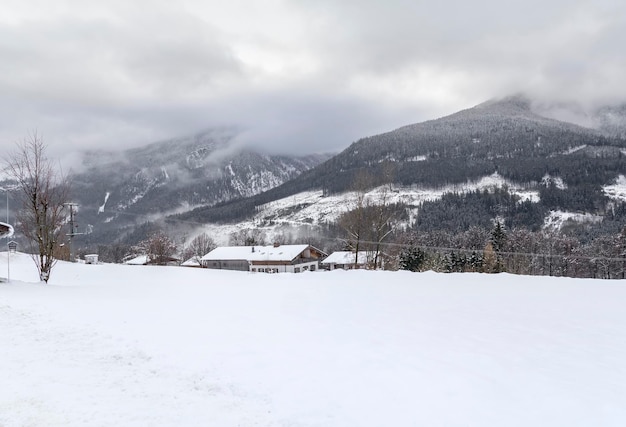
[(254, 270), (296, 270), (313, 268)]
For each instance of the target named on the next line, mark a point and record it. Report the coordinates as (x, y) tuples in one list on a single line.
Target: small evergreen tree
[(498, 237), (412, 259)]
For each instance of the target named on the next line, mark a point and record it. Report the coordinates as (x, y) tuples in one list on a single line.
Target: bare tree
[(381, 221), (354, 220), (247, 237), (43, 191), (199, 247), (159, 248)]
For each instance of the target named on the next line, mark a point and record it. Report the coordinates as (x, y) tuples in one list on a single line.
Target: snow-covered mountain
[(561, 169), (565, 166), (119, 189)]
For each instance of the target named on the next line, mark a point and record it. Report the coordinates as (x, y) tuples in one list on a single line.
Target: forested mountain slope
[(499, 136)]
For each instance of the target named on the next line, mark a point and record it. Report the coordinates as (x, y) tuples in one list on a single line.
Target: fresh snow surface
[(106, 198), (117, 345), (556, 219), (575, 149), (556, 180), (616, 191)]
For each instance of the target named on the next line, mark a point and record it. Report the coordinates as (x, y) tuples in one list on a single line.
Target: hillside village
[(274, 258)]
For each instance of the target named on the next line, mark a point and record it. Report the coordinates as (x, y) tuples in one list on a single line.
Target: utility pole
[(73, 227)]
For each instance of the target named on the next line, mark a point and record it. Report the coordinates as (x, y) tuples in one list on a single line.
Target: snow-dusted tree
[(412, 258), (247, 237), (381, 218), (43, 191), (520, 244), (620, 250), (201, 245), (159, 248), (354, 221), (498, 237), (490, 260)]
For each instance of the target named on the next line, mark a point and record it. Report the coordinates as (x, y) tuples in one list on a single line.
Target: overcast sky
[(297, 76)]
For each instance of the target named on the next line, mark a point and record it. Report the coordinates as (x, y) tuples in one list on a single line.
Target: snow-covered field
[(111, 345)]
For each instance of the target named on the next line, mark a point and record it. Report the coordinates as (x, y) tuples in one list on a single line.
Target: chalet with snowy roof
[(264, 259), (346, 260)]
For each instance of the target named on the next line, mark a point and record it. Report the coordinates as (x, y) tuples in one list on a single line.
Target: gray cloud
[(296, 76)]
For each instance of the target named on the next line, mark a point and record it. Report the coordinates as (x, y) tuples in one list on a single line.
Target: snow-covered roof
[(256, 253), (140, 260), (6, 230), (191, 262), (345, 257)]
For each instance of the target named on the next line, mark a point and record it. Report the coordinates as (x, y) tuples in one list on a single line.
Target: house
[(138, 260), (345, 260), (265, 259), (145, 260)]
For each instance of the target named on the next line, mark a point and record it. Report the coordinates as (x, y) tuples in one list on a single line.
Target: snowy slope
[(617, 190), (110, 345), (312, 208)]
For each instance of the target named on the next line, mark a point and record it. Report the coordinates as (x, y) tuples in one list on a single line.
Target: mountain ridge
[(498, 136)]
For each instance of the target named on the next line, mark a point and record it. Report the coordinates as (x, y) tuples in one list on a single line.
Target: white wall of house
[(297, 268)]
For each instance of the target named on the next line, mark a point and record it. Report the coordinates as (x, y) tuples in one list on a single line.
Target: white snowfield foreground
[(111, 345)]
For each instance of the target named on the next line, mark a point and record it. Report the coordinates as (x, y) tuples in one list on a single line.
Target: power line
[(471, 251), (424, 247), (73, 231)]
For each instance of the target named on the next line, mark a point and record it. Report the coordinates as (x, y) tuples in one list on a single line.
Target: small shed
[(91, 259)]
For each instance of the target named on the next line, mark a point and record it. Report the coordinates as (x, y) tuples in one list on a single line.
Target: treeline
[(458, 212), (517, 251)]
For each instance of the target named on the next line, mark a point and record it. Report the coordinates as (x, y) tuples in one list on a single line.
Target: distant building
[(138, 260), (91, 259), (192, 262), (264, 259), (145, 260), (345, 260)]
